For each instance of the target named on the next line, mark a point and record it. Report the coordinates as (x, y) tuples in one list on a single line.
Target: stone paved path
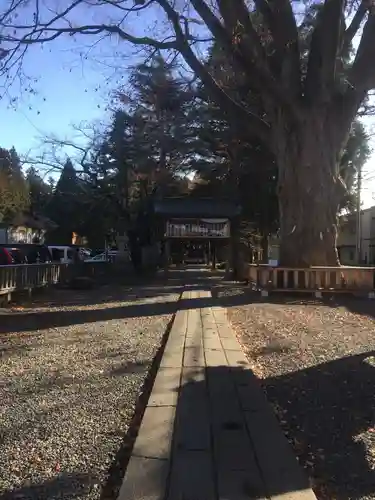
[(208, 432)]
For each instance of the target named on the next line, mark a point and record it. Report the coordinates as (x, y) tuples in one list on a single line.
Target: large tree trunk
[(309, 194)]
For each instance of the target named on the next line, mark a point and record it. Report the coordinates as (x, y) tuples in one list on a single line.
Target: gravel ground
[(317, 363), (70, 377)]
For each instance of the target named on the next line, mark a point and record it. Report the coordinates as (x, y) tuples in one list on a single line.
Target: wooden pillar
[(228, 253), (235, 248), (213, 256), (167, 254)]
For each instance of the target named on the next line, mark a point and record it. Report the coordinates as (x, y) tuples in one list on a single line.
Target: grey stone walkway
[(208, 432)]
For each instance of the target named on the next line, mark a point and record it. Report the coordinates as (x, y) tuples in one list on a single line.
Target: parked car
[(17, 255), (6, 258), (68, 253), (86, 253), (38, 254), (108, 256), (33, 253)]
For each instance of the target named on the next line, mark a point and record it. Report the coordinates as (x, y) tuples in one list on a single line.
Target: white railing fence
[(21, 277), (313, 279)]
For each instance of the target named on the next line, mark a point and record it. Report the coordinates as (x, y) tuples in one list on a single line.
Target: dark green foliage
[(39, 192), (14, 197), (144, 153), (65, 206)]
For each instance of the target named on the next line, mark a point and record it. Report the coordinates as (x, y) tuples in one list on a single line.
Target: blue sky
[(71, 89), (65, 95)]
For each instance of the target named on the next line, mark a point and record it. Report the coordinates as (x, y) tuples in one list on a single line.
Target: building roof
[(196, 207), (37, 222)]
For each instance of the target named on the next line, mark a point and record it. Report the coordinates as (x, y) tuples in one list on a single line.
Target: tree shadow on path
[(63, 486), (328, 412), (30, 321)]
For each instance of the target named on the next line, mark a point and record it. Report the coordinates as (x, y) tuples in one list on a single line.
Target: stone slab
[(193, 385), (220, 384), (249, 390), (193, 374), (179, 325), (209, 333), (240, 485), (244, 377), (213, 342), (209, 322), (237, 359), (283, 476), (175, 343), (225, 331), (194, 341), (145, 479), (215, 358), (194, 357), (231, 344), (252, 398), (192, 427), (166, 387), (227, 414), (193, 317), (192, 476), (154, 439), (172, 358), (194, 331), (232, 448)]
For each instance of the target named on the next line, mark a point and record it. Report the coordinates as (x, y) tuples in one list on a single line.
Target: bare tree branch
[(324, 51), (246, 50), (278, 85), (362, 73), (280, 19), (354, 26), (234, 109), (94, 29)]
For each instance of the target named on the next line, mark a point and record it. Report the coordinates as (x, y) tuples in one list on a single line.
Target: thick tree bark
[(309, 193)]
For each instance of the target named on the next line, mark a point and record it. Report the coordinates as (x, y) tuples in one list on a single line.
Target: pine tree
[(14, 197), (158, 117), (39, 192), (65, 205)]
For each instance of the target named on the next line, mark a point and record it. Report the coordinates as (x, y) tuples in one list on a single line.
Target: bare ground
[(317, 364), (72, 367)]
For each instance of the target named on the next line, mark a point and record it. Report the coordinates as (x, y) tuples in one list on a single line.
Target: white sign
[(204, 228)]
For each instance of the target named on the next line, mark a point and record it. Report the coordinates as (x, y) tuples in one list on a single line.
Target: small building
[(346, 241), (25, 228), (196, 228)]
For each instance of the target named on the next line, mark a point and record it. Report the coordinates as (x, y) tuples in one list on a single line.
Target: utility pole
[(358, 228)]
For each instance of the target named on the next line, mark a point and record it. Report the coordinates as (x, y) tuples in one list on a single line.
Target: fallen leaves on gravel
[(317, 363), (68, 393)]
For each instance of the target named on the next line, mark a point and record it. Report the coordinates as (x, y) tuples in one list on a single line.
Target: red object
[(5, 257)]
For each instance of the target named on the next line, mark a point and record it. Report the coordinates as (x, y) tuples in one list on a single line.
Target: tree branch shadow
[(328, 412), (65, 485)]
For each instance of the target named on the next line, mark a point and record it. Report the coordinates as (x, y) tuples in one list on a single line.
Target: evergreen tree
[(158, 118), (144, 151), (65, 207), (39, 192), (13, 189)]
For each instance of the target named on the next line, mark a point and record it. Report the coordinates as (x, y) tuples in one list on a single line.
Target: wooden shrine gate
[(205, 224)]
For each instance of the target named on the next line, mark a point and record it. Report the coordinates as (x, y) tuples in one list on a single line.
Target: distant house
[(346, 242), (25, 228)]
